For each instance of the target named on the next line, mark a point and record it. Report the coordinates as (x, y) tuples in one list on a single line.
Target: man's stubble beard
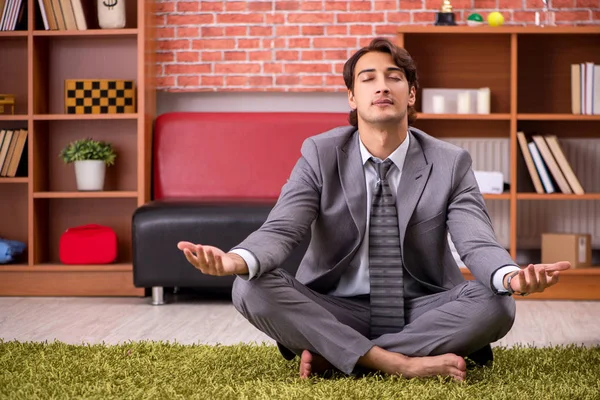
[(384, 120)]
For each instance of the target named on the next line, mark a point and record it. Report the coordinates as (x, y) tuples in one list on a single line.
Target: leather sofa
[(215, 177)]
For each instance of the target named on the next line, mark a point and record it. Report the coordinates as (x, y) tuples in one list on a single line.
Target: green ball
[(474, 19)]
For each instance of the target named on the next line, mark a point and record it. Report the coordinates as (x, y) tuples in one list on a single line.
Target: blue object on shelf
[(10, 249)]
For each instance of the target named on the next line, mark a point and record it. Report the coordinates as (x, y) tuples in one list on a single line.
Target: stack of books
[(13, 152), (585, 88), (547, 165), (64, 14), (13, 15)]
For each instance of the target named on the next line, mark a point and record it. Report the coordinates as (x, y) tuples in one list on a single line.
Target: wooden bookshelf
[(76, 117), (39, 207), (93, 32), (14, 180), (16, 117), (557, 117), (468, 117), (527, 69)]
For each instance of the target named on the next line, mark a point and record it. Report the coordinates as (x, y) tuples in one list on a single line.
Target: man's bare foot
[(443, 365), (312, 364), (412, 367)]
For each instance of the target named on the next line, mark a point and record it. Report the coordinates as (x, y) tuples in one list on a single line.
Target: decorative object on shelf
[(463, 102), (445, 16), (483, 100), (111, 14), (439, 104), (475, 19), (88, 244), (91, 157), (99, 96), (495, 19), (7, 100), (491, 182), (10, 250), (456, 101), (546, 17)]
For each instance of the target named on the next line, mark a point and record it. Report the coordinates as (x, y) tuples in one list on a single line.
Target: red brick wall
[(293, 45)]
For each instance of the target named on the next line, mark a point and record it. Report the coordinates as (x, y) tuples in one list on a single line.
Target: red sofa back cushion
[(231, 155)]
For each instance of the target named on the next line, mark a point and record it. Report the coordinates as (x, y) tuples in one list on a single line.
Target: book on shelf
[(13, 152), (565, 166), (65, 14), (13, 15), (548, 167), (540, 166), (551, 164), (585, 88), (535, 178)]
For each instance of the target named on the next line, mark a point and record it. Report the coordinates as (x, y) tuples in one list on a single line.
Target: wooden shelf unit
[(528, 72), (38, 208)]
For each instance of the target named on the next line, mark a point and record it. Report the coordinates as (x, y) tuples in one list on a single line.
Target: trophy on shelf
[(7, 100), (445, 16)]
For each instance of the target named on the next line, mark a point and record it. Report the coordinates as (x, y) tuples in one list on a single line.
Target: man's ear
[(412, 96), (351, 99)]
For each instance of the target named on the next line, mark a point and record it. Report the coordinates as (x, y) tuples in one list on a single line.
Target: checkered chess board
[(99, 96)]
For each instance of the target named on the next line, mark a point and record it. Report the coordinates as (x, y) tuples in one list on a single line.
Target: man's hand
[(212, 260), (538, 277)]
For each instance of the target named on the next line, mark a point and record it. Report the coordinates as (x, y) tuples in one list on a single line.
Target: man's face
[(381, 92)]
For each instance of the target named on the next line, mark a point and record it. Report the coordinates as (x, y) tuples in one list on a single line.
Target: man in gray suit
[(354, 303)]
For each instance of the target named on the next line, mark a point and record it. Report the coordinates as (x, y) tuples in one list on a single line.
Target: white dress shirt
[(355, 280)]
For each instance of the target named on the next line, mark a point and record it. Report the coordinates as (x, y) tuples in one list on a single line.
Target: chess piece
[(445, 16)]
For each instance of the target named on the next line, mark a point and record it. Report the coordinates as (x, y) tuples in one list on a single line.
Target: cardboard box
[(573, 247)]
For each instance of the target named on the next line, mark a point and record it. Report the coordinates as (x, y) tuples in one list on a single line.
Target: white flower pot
[(111, 14), (90, 174)]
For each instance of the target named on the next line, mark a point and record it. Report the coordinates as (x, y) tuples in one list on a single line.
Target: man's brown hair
[(401, 58)]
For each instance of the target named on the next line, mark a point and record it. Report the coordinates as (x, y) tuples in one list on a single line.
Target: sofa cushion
[(230, 155)]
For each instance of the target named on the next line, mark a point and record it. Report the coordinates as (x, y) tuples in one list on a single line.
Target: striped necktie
[(385, 262)]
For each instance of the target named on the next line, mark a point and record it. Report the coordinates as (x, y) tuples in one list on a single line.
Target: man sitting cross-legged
[(378, 288)]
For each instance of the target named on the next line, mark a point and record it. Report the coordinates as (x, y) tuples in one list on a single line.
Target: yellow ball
[(495, 18)]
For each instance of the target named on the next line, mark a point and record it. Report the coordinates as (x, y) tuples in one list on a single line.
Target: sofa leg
[(157, 296)]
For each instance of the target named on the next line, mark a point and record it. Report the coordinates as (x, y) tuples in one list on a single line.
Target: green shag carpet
[(159, 370)]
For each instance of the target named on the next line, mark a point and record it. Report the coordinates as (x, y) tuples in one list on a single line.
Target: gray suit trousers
[(460, 321)]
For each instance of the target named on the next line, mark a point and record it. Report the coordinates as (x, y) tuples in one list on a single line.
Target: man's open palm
[(538, 277), (209, 259)]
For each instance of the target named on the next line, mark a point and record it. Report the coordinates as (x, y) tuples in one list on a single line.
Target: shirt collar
[(398, 156)]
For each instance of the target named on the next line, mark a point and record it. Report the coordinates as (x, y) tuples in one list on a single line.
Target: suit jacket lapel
[(352, 176), (415, 174)]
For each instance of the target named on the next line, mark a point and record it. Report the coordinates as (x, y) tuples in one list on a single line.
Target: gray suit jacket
[(326, 193)]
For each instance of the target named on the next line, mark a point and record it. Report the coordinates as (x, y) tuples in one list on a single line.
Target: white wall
[(251, 102)]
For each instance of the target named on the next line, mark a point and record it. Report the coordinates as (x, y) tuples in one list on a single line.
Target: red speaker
[(88, 244)]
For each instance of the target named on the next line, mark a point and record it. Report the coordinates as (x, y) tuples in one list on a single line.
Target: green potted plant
[(91, 157)]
